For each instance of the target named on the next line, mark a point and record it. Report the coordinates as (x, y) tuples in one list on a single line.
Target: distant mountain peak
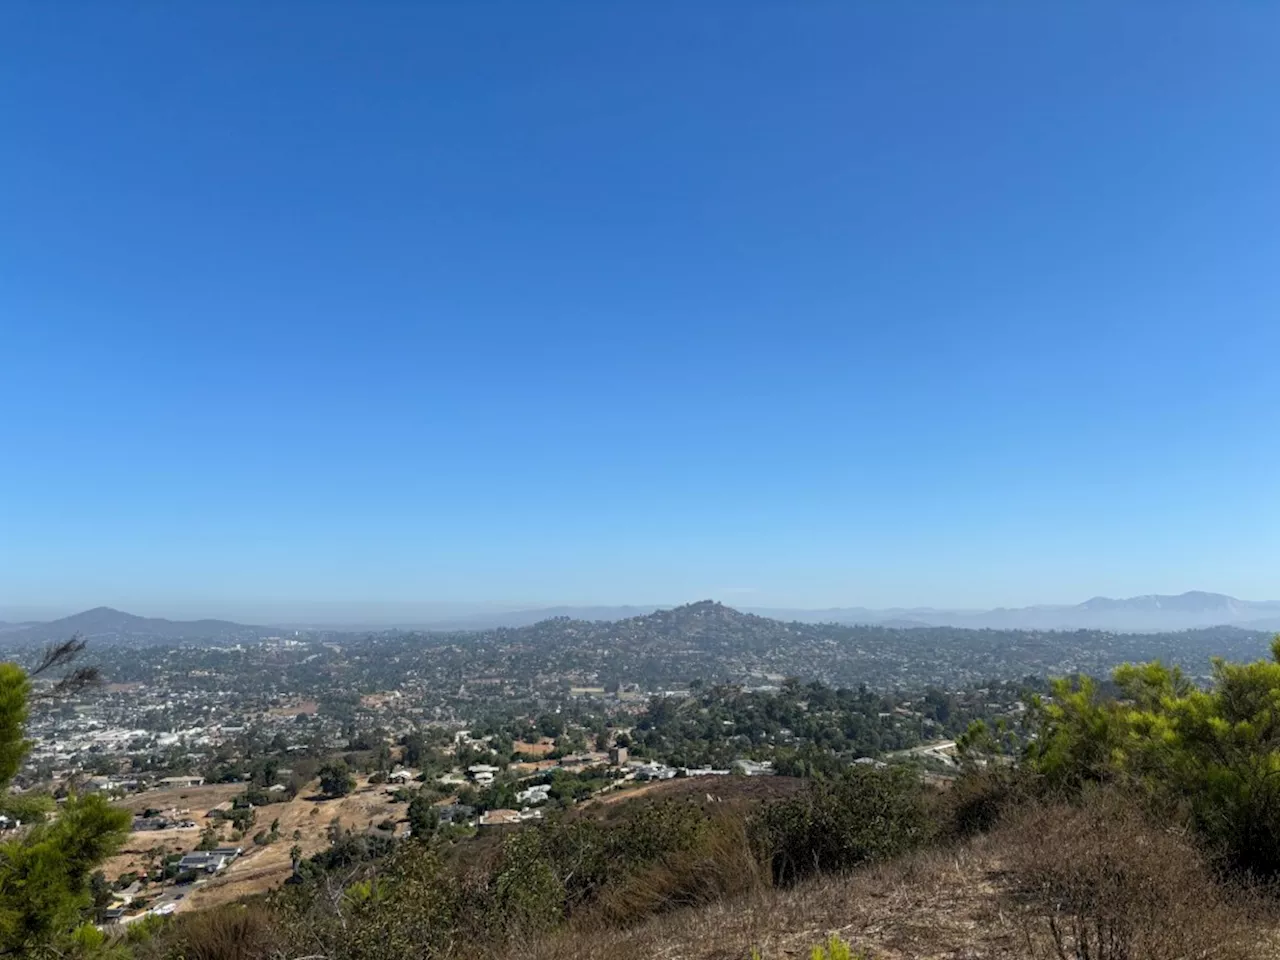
[(107, 623)]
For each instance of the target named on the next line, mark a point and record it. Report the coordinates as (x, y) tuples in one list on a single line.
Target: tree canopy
[(336, 779)]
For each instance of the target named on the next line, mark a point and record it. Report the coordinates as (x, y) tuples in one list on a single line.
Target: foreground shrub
[(717, 863), (405, 907), (1212, 756), (865, 815), (1097, 882), (221, 933), (980, 798)]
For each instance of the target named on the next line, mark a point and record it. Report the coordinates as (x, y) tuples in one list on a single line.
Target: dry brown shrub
[(1098, 881), (222, 933)]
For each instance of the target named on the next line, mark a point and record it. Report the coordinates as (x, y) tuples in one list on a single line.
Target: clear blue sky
[(784, 304)]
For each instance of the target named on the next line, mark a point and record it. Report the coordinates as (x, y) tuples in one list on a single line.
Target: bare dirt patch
[(260, 868), (197, 801), (729, 789), (263, 868)]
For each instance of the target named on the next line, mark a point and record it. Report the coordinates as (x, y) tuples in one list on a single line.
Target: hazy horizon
[(371, 613)]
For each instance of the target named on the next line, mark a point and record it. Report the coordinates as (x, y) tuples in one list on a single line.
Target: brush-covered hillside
[(1133, 820)]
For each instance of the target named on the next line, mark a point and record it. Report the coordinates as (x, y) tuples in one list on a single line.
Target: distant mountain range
[(1147, 614), (103, 623), (1154, 613), (1150, 613)]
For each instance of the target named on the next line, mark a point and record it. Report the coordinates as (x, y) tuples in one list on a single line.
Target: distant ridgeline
[(667, 649)]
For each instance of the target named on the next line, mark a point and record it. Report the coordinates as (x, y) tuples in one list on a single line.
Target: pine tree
[(46, 888)]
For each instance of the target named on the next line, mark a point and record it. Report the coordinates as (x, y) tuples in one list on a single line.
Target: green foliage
[(45, 888), (88, 941), (834, 949), (423, 816), (241, 818), (14, 690), (808, 729), (422, 899), (1213, 755), (29, 807), (527, 889), (141, 931), (866, 815), (336, 779), (346, 850)]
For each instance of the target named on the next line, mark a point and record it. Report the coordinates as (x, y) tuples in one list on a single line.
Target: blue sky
[(803, 305)]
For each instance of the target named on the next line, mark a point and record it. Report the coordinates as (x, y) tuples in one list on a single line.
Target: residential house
[(534, 795), (177, 782), (500, 818), (654, 771), (455, 812), (208, 861)]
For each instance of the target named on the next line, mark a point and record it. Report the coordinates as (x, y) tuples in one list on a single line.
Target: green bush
[(1211, 756), (865, 815)]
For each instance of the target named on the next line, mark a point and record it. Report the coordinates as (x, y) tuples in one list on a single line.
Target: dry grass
[(987, 899), (926, 906), (730, 790), (1042, 885), (265, 868), (240, 933), (1100, 882), (721, 866), (198, 800), (261, 868)]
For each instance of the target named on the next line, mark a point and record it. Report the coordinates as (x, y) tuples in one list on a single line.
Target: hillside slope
[(965, 902), (929, 906)]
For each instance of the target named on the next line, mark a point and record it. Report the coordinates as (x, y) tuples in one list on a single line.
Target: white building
[(533, 796)]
